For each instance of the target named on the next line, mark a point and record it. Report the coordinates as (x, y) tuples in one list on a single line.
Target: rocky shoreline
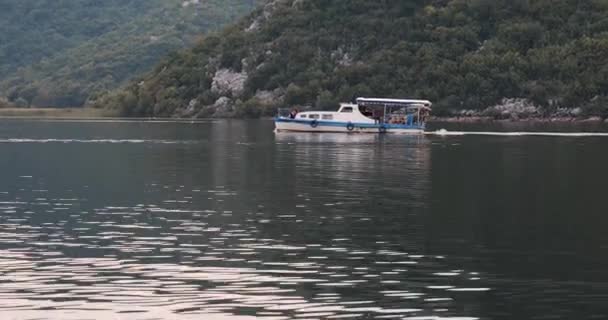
[(519, 110), (509, 110), (549, 119)]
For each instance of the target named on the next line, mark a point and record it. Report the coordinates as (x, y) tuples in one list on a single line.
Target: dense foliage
[(462, 54), (60, 52)]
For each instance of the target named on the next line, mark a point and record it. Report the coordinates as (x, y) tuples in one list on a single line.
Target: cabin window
[(314, 116), (347, 110), (328, 117), (302, 116)]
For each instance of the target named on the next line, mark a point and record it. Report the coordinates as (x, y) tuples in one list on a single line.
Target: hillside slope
[(34, 29), (59, 53), (462, 54)]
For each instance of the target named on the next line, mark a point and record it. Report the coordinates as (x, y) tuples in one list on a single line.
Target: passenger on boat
[(424, 115), (366, 112), (293, 113), (377, 116), (410, 119)]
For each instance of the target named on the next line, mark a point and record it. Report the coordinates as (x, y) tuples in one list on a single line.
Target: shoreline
[(55, 113), (595, 120), (106, 115)]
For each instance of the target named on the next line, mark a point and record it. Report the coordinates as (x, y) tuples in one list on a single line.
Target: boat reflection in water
[(328, 137), (336, 170), (364, 200)]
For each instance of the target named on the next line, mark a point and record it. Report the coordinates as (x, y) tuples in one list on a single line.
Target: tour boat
[(367, 115)]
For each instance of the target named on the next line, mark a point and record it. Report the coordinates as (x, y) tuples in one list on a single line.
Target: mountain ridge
[(142, 33)]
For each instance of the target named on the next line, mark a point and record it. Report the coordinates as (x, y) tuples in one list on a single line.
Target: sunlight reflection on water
[(235, 222)]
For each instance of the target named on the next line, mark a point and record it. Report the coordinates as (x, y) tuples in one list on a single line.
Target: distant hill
[(62, 52), (462, 54)]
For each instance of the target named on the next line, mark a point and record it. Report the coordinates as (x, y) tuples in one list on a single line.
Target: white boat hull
[(290, 125)]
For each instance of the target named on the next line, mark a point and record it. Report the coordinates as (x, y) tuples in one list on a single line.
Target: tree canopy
[(462, 54), (63, 52)]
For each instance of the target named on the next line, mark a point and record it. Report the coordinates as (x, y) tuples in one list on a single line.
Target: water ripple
[(98, 141), (224, 269), (227, 222)]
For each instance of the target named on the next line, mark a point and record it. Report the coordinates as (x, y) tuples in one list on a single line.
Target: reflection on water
[(240, 223), (331, 138)]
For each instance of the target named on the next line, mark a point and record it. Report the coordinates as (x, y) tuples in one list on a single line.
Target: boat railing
[(286, 112), (410, 116), (283, 112), (398, 111)]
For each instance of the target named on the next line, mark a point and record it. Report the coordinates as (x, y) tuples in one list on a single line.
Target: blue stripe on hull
[(324, 123)]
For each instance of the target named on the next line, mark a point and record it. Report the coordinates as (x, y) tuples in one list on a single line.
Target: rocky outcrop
[(188, 3), (188, 111), (268, 11), (228, 85), (513, 109), (508, 109), (228, 82), (567, 112), (222, 108), (342, 57), (254, 26), (516, 110), (271, 7)]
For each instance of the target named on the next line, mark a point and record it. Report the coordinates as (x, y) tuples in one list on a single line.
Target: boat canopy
[(377, 102)]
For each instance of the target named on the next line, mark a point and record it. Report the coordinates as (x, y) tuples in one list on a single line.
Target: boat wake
[(444, 132), (101, 141)]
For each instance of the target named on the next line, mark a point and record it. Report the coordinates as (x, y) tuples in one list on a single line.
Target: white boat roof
[(400, 102)]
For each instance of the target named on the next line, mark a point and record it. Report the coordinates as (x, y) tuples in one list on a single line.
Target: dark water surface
[(226, 220)]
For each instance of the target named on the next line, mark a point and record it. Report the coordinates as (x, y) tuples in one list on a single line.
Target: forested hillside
[(462, 54), (60, 52)]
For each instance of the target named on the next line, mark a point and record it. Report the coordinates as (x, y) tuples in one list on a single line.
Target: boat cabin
[(367, 115), (375, 111), (395, 111)]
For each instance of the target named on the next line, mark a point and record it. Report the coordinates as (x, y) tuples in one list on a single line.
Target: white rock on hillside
[(188, 3), (272, 6), (267, 13), (255, 25), (227, 81), (342, 57), (513, 107), (223, 106)]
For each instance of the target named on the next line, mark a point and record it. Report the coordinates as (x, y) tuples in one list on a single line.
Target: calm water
[(226, 220)]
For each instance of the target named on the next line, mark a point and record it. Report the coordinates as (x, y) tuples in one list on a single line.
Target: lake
[(228, 220)]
